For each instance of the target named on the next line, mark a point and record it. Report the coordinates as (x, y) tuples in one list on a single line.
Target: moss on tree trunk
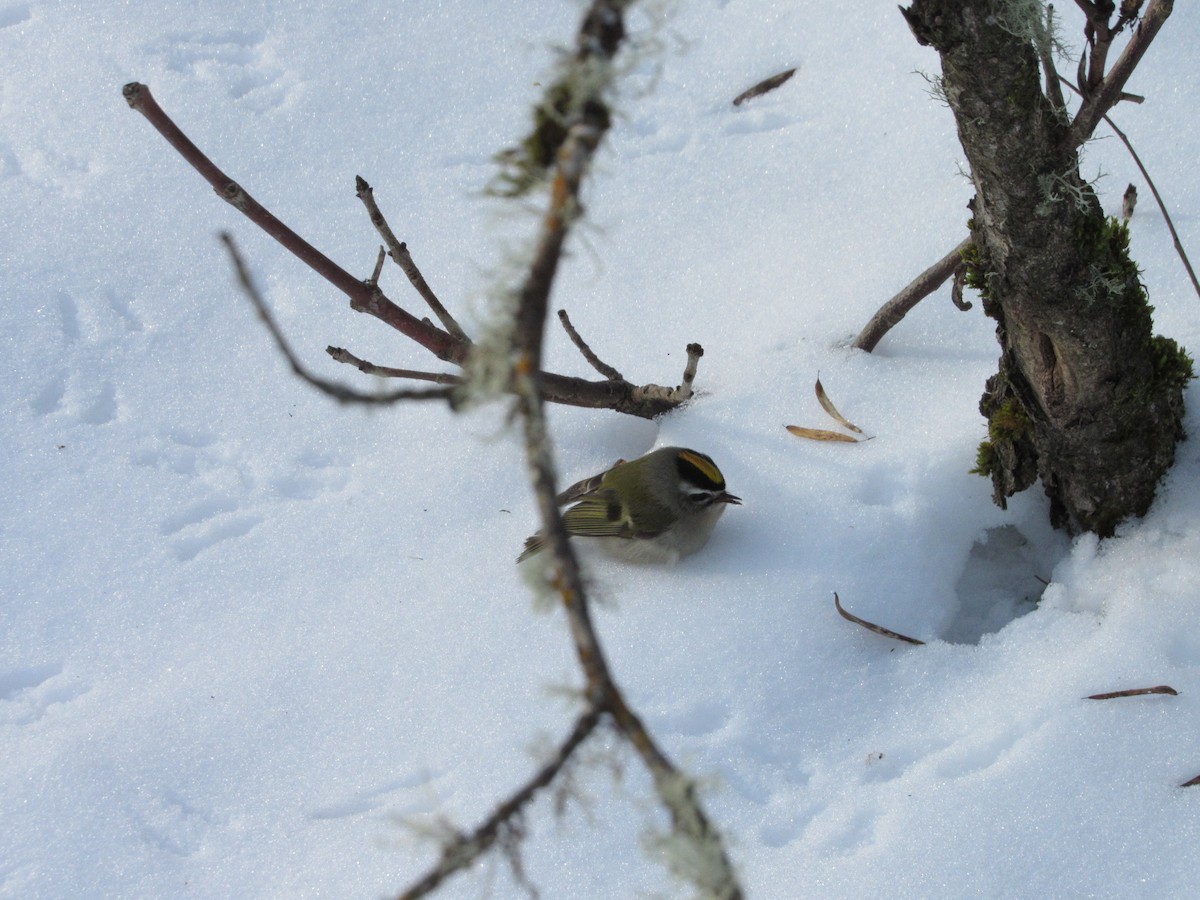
[(1086, 398)]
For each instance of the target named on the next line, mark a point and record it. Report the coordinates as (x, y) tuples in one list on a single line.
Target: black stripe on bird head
[(700, 470)]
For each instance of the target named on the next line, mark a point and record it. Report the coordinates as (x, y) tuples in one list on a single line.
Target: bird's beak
[(726, 497)]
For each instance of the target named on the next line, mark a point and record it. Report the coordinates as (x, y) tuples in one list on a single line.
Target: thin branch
[(1046, 54), (1159, 200), (367, 368), (682, 392), (339, 392), (596, 362), (466, 849), (374, 279), (363, 297), (1108, 92), (1100, 37), (890, 314), (399, 253), (1187, 264)]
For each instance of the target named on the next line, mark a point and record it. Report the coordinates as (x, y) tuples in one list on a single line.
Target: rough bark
[(1086, 398)]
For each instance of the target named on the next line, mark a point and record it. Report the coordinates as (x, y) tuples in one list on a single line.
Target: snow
[(249, 638)]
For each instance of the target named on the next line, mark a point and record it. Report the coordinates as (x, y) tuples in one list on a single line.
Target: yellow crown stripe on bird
[(703, 467)]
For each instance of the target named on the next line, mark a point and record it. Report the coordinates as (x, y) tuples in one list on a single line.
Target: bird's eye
[(699, 496)]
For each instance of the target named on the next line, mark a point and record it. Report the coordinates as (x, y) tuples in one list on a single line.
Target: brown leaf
[(820, 434), (1134, 692), (871, 626), (827, 405), (767, 84)]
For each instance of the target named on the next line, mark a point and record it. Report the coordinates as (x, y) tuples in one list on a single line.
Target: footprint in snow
[(371, 799), (29, 694), (243, 63), (232, 495), (80, 387)]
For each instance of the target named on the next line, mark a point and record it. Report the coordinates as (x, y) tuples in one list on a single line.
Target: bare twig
[(465, 849), (596, 362), (339, 392), (764, 86), (367, 368), (1135, 692), (398, 250), (374, 279), (1104, 91), (871, 626), (683, 391), (890, 314), (363, 297), (1129, 201), (1046, 55), (1187, 264)]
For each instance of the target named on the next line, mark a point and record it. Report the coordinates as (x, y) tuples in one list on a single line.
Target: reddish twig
[(398, 250), (1187, 264), (339, 392), (466, 848), (364, 297), (582, 346)]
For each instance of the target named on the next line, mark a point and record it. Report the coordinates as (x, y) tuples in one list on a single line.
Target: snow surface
[(248, 637)]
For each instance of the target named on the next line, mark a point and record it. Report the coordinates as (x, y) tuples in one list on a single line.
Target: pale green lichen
[(692, 849), (1028, 20)]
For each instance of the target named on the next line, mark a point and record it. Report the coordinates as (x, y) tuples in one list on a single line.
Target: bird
[(657, 508)]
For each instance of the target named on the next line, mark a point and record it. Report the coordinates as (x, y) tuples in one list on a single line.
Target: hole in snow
[(1003, 579)]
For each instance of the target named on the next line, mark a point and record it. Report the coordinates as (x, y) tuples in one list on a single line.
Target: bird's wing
[(598, 515), (581, 488)]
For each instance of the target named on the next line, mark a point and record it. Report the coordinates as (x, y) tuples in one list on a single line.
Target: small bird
[(655, 509)]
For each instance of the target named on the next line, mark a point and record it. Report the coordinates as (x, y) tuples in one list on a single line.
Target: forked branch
[(449, 342), (339, 392)]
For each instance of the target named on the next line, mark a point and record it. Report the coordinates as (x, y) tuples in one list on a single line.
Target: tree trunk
[(1086, 398)]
